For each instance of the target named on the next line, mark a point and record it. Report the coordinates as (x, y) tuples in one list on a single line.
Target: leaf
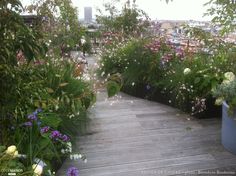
[(51, 120), (36, 103), (63, 84), (197, 80), (43, 143), (49, 90), (112, 88), (2, 148), (44, 105)]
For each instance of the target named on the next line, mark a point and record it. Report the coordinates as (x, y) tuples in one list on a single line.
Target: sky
[(156, 9)]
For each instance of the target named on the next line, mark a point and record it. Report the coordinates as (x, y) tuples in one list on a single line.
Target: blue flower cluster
[(72, 171), (56, 135), (33, 117)]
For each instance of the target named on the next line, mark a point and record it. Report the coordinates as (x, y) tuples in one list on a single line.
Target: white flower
[(38, 169), (11, 150), (229, 77), (219, 101), (85, 160), (103, 73), (69, 144), (71, 116), (15, 154), (187, 71), (69, 147), (40, 162), (83, 41)]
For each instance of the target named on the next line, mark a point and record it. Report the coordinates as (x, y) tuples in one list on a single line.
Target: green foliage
[(223, 13), (189, 91), (114, 84), (20, 84), (112, 88), (60, 24), (128, 21), (15, 36), (134, 61), (226, 92), (69, 96), (51, 119), (8, 163), (155, 64), (29, 80)]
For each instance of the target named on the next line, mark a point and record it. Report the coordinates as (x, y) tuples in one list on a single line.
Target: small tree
[(60, 23), (131, 21), (223, 12)]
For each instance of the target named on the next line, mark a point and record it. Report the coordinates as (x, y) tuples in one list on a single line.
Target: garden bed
[(157, 95)]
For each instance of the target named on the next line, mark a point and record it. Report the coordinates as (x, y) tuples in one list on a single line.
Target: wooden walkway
[(128, 136)]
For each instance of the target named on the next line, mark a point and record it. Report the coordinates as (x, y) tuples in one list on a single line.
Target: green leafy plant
[(32, 79), (60, 24), (128, 21), (114, 84), (226, 92), (70, 96)]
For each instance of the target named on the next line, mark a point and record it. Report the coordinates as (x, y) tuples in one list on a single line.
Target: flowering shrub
[(157, 67), (226, 91), (32, 77), (133, 60)]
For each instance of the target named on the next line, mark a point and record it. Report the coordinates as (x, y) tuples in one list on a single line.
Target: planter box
[(228, 133)]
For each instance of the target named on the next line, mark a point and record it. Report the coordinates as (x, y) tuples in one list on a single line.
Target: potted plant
[(226, 96)]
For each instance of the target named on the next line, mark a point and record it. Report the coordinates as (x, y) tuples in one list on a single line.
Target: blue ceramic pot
[(228, 133)]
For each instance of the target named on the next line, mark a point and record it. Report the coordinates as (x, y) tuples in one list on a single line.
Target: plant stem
[(31, 161)]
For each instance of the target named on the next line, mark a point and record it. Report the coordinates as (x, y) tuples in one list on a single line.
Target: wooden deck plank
[(129, 136)]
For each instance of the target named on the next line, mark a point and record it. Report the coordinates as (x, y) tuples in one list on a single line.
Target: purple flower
[(72, 171), (64, 138), (28, 124), (32, 117), (55, 134), (44, 129), (38, 110)]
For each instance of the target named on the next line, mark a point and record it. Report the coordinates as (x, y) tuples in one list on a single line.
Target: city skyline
[(157, 10)]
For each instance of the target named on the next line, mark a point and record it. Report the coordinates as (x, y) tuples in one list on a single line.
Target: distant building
[(31, 20), (88, 14)]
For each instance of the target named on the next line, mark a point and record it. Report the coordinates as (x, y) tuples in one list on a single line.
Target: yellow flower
[(11, 150), (38, 169)]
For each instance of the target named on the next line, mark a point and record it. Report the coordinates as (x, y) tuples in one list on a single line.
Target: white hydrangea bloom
[(38, 169), (11, 150), (229, 77), (187, 71)]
